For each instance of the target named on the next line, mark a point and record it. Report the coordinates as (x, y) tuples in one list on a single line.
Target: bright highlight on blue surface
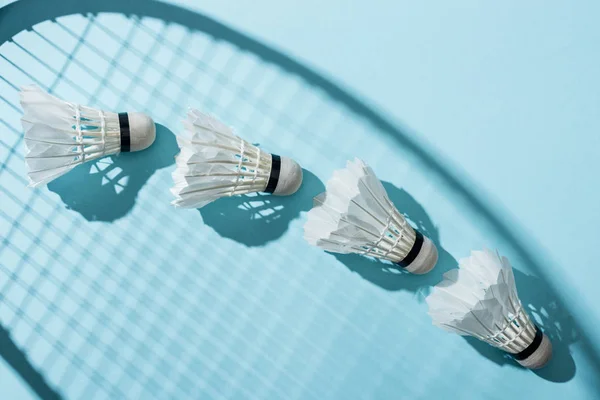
[(108, 292)]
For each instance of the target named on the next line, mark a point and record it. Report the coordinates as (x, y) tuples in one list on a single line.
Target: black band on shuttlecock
[(412, 254), (275, 171), (529, 350), (125, 132)]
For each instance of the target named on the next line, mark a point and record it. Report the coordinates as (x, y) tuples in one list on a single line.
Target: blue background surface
[(481, 120)]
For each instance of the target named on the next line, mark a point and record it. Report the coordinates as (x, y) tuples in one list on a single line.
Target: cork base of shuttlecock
[(142, 131), (425, 260), (540, 356), (290, 178)]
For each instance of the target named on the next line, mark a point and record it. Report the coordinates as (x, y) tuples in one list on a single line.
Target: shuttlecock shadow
[(553, 318), (393, 278), (258, 218), (106, 189)]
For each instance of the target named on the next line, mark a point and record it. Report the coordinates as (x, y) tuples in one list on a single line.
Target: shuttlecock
[(215, 163), (355, 215), (60, 135), (480, 299)]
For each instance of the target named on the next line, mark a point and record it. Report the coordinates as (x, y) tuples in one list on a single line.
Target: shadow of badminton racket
[(154, 304)]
